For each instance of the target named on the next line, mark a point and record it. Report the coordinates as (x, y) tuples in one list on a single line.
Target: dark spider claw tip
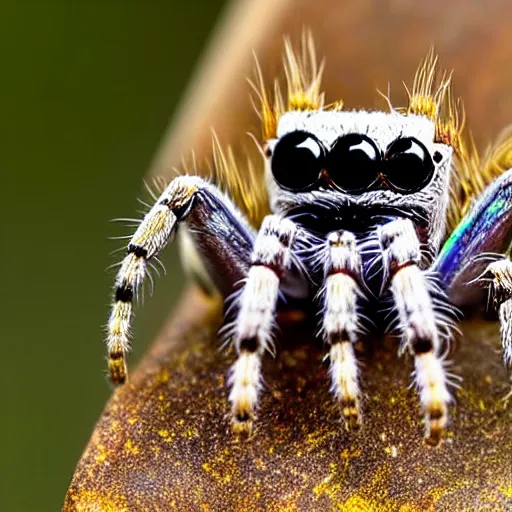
[(242, 416)]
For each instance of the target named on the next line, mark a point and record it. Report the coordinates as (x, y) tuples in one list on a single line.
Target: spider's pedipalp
[(340, 323), (418, 321), (255, 321)]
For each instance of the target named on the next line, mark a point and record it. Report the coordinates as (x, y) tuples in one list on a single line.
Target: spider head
[(360, 164)]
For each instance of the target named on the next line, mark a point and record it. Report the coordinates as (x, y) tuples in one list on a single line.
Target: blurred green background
[(87, 90)]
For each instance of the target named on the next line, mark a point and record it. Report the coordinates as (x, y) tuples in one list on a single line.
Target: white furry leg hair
[(419, 322), (253, 326), (342, 268)]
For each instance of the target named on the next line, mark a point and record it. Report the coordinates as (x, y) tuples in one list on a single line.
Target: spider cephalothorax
[(374, 163), (361, 204)]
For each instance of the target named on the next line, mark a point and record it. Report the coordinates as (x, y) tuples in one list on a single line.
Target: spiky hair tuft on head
[(303, 83), (432, 96)]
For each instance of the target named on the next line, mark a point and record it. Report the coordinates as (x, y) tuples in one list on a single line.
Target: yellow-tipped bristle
[(244, 183), (303, 77), (474, 174), (422, 99)]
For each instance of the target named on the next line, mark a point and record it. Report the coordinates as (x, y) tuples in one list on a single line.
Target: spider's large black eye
[(409, 166), (297, 161), (353, 162)]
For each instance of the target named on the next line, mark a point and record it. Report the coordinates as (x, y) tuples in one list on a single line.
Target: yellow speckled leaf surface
[(163, 441)]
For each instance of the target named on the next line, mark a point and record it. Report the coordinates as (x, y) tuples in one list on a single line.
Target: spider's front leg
[(418, 321), (271, 259), (223, 238), (340, 325)]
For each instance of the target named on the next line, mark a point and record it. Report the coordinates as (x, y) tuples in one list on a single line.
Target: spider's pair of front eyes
[(353, 164)]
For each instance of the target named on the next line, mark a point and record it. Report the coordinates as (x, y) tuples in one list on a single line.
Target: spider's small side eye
[(409, 166), (353, 162), (297, 161)]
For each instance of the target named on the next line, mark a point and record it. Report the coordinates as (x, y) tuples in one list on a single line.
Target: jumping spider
[(361, 204)]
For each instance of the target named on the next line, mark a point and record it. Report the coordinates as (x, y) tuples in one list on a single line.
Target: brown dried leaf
[(164, 442)]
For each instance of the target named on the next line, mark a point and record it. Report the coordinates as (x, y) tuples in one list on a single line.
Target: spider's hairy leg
[(486, 230), (501, 291), (340, 325), (215, 225), (419, 325), (270, 260), (151, 236)]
